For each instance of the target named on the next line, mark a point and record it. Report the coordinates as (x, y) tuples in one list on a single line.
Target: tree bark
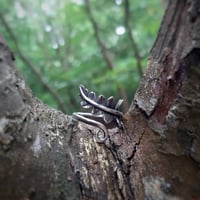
[(33, 141), (156, 155)]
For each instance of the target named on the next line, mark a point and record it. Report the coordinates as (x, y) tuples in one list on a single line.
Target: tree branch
[(104, 52), (96, 34), (33, 141), (132, 40), (51, 91)]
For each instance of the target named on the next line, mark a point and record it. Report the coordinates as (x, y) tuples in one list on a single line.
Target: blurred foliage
[(57, 38)]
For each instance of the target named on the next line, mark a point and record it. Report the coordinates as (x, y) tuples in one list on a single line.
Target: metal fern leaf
[(108, 108)]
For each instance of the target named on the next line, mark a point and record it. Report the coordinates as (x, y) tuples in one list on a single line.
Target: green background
[(56, 49)]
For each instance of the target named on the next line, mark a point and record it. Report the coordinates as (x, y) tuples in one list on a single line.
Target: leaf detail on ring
[(99, 105)]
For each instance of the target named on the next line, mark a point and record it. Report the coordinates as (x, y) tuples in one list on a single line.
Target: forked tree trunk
[(157, 154)]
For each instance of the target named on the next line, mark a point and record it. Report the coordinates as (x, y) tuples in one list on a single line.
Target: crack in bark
[(135, 146), (119, 162), (124, 167)]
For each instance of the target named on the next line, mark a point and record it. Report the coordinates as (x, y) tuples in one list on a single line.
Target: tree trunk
[(156, 155)]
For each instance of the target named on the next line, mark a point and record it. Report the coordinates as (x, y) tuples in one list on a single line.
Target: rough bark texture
[(33, 141), (156, 156)]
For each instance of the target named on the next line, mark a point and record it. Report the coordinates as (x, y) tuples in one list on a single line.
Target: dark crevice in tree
[(135, 147), (51, 91)]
